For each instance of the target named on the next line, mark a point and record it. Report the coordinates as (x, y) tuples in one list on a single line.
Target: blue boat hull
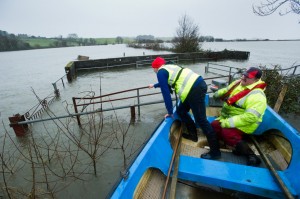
[(157, 154)]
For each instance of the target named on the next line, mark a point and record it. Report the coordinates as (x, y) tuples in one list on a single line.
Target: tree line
[(12, 42), (9, 42)]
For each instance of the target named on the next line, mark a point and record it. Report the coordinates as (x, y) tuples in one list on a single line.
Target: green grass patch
[(103, 41), (53, 42), (42, 42)]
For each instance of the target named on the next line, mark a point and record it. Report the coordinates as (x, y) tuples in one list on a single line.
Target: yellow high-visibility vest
[(184, 82)]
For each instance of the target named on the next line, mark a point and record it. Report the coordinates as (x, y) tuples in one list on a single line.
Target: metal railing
[(220, 69), (148, 62), (86, 101), (293, 70), (37, 110), (54, 84)]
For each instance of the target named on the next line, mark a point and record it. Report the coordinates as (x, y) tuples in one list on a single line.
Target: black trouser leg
[(182, 111), (191, 127), (213, 143), (242, 148), (192, 132)]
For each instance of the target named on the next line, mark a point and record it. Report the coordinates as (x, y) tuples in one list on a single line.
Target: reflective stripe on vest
[(242, 101), (174, 71), (185, 81)]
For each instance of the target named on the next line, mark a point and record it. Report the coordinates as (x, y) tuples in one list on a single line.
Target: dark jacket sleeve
[(162, 76)]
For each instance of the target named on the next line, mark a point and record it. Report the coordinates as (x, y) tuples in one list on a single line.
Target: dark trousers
[(195, 101)]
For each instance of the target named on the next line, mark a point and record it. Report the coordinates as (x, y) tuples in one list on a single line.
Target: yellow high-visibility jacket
[(247, 113)]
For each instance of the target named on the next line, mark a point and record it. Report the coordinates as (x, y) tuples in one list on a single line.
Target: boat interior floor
[(193, 149), (153, 181)]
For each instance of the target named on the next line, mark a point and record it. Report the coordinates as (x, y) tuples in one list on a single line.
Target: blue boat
[(166, 159)]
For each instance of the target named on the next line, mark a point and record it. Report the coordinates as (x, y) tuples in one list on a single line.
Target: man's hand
[(169, 115), (224, 123), (151, 86), (216, 96)]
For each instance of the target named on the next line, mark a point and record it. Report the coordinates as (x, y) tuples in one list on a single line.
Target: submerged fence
[(137, 61)]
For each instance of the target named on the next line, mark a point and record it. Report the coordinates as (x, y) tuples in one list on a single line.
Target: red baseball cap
[(253, 72)]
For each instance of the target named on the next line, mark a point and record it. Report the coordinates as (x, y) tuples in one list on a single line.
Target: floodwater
[(23, 73)]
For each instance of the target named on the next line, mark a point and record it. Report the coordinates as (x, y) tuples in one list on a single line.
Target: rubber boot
[(242, 148), (253, 160), (192, 133), (214, 146)]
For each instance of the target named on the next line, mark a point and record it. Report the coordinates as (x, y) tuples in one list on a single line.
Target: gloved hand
[(224, 123), (216, 96)]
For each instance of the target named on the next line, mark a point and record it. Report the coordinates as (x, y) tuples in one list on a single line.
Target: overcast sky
[(227, 19)]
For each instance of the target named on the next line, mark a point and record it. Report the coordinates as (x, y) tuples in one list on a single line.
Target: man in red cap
[(191, 89), (244, 106)]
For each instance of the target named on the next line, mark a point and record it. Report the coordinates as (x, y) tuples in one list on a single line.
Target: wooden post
[(56, 91), (138, 99), (132, 112), (280, 98), (206, 67), (230, 76), (19, 129)]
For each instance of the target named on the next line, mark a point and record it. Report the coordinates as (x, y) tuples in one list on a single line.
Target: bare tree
[(268, 7), (187, 39)]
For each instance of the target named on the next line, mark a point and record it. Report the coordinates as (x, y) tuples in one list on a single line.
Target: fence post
[(206, 67), (56, 91), (62, 81), (20, 129), (230, 77), (132, 112), (295, 68), (76, 111), (138, 99)]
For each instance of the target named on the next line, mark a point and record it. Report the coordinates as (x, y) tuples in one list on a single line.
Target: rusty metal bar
[(20, 130), (132, 112), (138, 96)]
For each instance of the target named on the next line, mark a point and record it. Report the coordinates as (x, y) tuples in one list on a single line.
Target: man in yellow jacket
[(191, 89), (242, 112)]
